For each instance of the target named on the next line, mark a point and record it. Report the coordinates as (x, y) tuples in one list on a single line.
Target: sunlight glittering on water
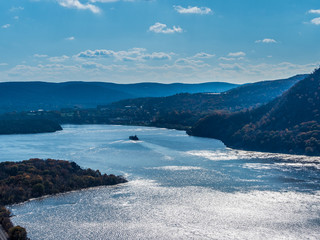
[(180, 187)]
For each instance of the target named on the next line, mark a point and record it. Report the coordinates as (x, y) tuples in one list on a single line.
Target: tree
[(17, 233)]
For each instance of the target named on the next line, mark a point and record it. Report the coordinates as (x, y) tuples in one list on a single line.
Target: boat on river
[(134, 138)]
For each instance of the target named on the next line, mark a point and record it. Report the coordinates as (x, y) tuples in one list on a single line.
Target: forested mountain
[(26, 126), (21, 181), (185, 109), (180, 111), (290, 123), (25, 96)]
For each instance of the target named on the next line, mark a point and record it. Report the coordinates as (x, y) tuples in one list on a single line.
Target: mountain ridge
[(26, 96), (288, 124)]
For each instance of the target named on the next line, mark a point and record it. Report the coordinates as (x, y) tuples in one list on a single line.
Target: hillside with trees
[(183, 110), (21, 181), (25, 126), (288, 124), (180, 111), (32, 96)]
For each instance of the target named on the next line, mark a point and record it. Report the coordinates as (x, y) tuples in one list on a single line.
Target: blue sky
[(127, 41)]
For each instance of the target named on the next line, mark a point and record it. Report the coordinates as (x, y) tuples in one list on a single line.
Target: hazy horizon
[(150, 82)]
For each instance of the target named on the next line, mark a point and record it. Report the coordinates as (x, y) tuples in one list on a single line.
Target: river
[(180, 187)]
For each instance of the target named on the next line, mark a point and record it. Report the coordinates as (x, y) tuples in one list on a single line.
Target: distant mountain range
[(290, 123), (25, 96), (183, 110)]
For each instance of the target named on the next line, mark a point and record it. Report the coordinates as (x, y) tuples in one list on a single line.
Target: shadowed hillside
[(183, 110), (25, 96), (290, 123)]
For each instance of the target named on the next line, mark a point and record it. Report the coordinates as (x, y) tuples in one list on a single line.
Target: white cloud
[(70, 38), (316, 11), (232, 67), (227, 59), (78, 5), (5, 26), (4, 64), (134, 54), (231, 58), (14, 9), (156, 56), (266, 40), (236, 54), (40, 55), (188, 63), (193, 10), (316, 21), (95, 53), (58, 59), (86, 4), (162, 28), (186, 69), (203, 55), (103, 1)]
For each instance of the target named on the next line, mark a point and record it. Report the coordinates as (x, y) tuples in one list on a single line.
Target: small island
[(21, 181)]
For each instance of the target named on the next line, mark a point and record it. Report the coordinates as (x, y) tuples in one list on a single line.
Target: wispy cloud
[(104, 1), (227, 58), (180, 69), (191, 63), (70, 38), (237, 54), (95, 53), (134, 54), (59, 59), (5, 26), (316, 21), (157, 56), (266, 40), (162, 28), (76, 4), (40, 55), (15, 9), (203, 55), (316, 11), (193, 10)]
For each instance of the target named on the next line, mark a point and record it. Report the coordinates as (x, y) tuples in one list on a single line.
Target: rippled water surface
[(180, 187)]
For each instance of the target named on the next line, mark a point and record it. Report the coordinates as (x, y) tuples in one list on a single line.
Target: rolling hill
[(289, 124), (25, 96), (183, 110)]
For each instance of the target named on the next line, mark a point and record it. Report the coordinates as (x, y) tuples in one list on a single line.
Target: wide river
[(180, 187)]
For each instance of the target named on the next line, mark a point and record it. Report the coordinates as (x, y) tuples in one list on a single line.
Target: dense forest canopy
[(25, 125), (21, 181), (290, 123), (32, 96)]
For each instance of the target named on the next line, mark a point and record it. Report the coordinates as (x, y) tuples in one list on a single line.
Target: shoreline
[(186, 131), (37, 179), (63, 193)]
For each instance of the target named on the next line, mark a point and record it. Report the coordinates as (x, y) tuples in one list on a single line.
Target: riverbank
[(27, 126), (180, 187), (22, 181)]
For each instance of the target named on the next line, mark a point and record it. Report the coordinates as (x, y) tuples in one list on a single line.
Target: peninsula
[(21, 181)]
